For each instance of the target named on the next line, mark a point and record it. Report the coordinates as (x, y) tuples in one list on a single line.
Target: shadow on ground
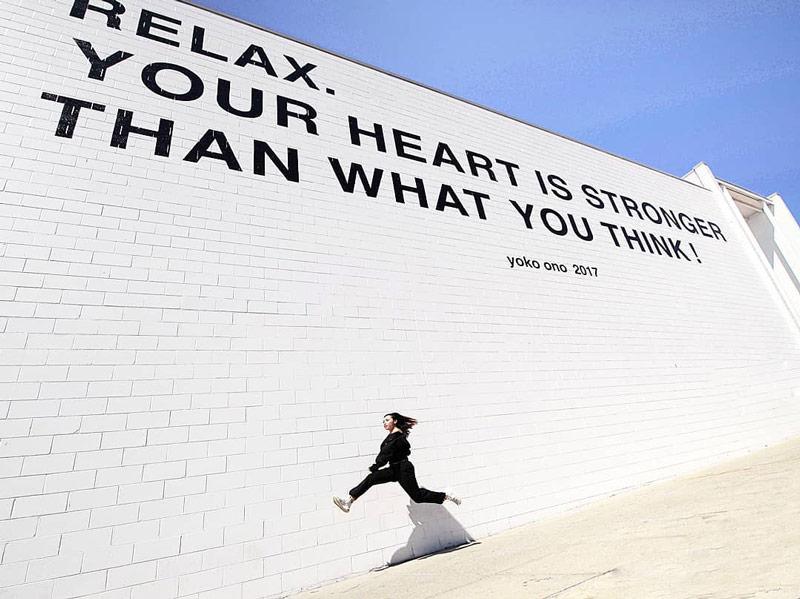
[(435, 531)]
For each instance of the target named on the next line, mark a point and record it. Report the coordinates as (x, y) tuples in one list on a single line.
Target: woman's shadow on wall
[(435, 530)]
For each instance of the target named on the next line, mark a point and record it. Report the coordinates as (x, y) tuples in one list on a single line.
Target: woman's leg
[(380, 477), (408, 480)]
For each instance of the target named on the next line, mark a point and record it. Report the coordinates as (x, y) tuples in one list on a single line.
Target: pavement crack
[(577, 584)]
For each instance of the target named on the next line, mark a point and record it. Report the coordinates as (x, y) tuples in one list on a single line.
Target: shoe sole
[(340, 505)]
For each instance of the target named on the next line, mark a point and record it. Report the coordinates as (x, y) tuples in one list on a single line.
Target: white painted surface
[(194, 359), (787, 251)]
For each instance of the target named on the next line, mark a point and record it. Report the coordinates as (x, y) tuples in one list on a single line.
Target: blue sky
[(667, 84)]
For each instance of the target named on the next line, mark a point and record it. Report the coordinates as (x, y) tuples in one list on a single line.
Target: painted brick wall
[(194, 358)]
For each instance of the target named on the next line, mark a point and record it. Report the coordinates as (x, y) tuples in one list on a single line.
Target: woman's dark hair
[(404, 423)]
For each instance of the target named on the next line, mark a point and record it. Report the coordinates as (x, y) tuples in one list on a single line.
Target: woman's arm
[(394, 445)]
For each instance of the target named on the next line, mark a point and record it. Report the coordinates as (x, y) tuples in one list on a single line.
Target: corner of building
[(769, 225)]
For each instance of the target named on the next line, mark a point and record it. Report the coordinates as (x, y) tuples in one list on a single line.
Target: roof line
[(194, 4), (744, 191)]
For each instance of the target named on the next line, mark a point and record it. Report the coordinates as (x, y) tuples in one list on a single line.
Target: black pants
[(403, 473)]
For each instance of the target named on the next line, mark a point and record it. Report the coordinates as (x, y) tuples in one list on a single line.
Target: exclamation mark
[(691, 245)]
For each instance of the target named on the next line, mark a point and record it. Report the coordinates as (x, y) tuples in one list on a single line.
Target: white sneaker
[(448, 496), (342, 504)]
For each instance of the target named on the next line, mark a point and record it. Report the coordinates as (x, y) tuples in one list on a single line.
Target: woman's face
[(389, 423)]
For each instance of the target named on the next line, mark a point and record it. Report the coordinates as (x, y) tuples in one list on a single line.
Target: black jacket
[(395, 448)]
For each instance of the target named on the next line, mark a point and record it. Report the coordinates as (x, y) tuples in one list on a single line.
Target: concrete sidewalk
[(730, 531)]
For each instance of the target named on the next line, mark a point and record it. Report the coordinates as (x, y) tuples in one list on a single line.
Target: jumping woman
[(395, 451)]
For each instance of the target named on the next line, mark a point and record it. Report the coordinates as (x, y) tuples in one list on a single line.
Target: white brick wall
[(194, 359)]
